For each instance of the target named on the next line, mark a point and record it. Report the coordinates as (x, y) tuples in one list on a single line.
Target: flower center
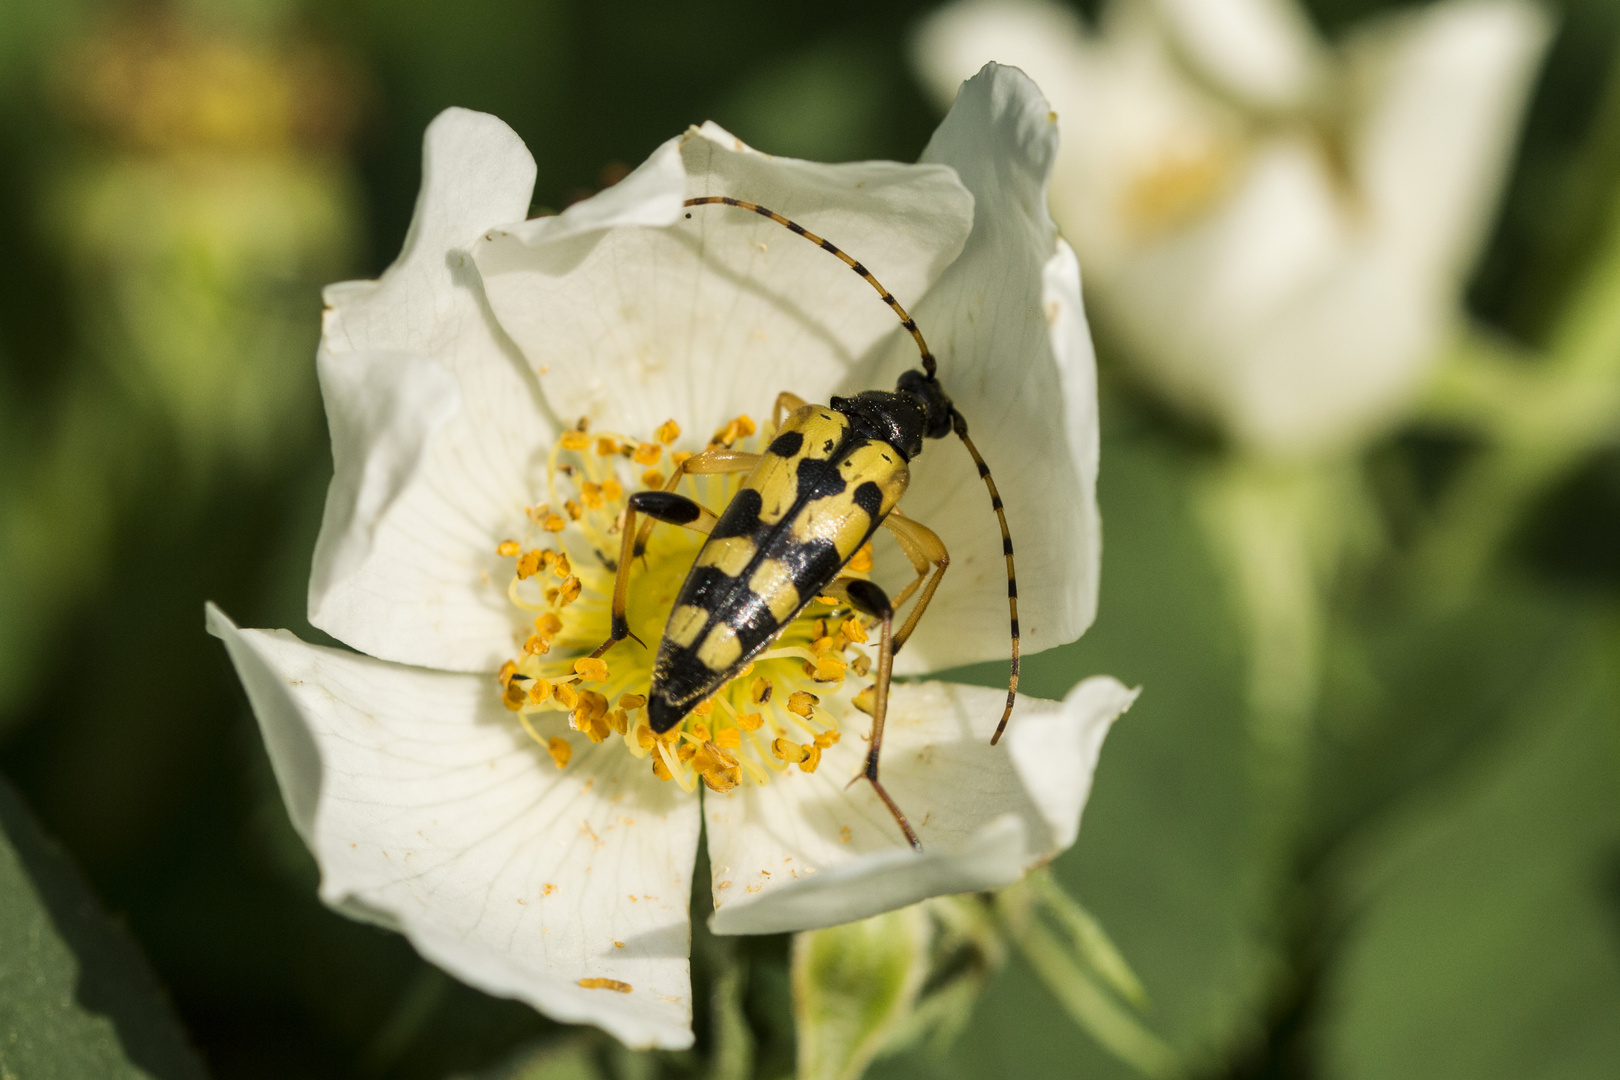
[(766, 719)]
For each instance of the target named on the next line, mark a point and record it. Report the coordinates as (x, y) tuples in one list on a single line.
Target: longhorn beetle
[(831, 475)]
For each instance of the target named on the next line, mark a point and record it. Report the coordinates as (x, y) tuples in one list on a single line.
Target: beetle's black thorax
[(915, 409)]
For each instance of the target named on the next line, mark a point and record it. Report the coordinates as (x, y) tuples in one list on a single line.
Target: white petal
[(1445, 89), (1263, 51), (809, 851), (424, 489), (1009, 327), (430, 811), (630, 324)]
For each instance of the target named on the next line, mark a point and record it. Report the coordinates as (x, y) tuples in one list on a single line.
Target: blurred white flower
[(478, 785), (1278, 231)]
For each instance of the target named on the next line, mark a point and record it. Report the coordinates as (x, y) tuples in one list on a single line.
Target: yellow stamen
[(508, 548), (667, 432), (631, 701), (590, 669), (647, 454), (802, 703), (560, 750), (574, 440), (535, 645), (539, 691)]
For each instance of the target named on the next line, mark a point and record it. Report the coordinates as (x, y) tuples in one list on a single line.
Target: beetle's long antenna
[(827, 245), (958, 424)]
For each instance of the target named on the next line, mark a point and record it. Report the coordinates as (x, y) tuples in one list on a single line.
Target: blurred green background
[(176, 182)]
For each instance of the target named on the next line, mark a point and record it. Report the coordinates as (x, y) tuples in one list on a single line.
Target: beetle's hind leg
[(869, 599), (665, 506), (715, 461)]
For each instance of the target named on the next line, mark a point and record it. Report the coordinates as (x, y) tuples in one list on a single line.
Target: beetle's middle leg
[(927, 554), (665, 506), (870, 600)]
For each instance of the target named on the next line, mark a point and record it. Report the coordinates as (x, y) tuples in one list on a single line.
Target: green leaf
[(1485, 942), (77, 1000), (853, 986), (1169, 859)]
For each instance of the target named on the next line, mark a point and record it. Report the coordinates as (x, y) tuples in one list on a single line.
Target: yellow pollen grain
[(861, 561), (605, 984), (750, 721), (852, 630), (504, 675), (508, 548), (802, 703), (652, 478), (700, 731), (866, 700), (539, 691), (606, 447), (574, 440), (569, 592), (566, 695), (561, 566), (619, 721), (812, 759), (528, 564), (760, 692), (591, 669), (789, 751), (514, 695), (829, 669), (612, 490), (830, 601), (668, 432), (704, 708), (548, 625), (560, 751), (555, 523), (647, 454), (823, 645), (827, 738), (536, 645), (631, 701), (591, 495), (573, 509)]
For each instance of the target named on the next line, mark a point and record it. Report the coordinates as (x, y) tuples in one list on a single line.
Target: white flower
[(557, 868), (1278, 231)]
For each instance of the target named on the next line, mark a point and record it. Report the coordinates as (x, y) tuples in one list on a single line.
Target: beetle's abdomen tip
[(663, 714)]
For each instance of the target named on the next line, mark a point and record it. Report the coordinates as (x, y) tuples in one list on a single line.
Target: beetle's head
[(936, 406)]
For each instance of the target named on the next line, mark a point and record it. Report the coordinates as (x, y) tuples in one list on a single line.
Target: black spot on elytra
[(827, 447), (741, 518), (788, 444), (818, 479), (869, 497)]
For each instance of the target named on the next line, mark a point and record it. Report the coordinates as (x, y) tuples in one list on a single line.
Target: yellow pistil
[(767, 719)]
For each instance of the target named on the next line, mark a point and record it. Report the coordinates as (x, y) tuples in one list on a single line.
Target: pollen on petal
[(605, 984), (560, 750)]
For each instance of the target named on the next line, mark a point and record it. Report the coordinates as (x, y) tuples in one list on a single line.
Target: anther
[(539, 691), (667, 432), (574, 440), (559, 750), (591, 669), (632, 702), (647, 454), (536, 645), (802, 703), (508, 548)]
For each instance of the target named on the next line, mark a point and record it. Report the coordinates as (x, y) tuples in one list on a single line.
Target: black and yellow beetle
[(830, 477)]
